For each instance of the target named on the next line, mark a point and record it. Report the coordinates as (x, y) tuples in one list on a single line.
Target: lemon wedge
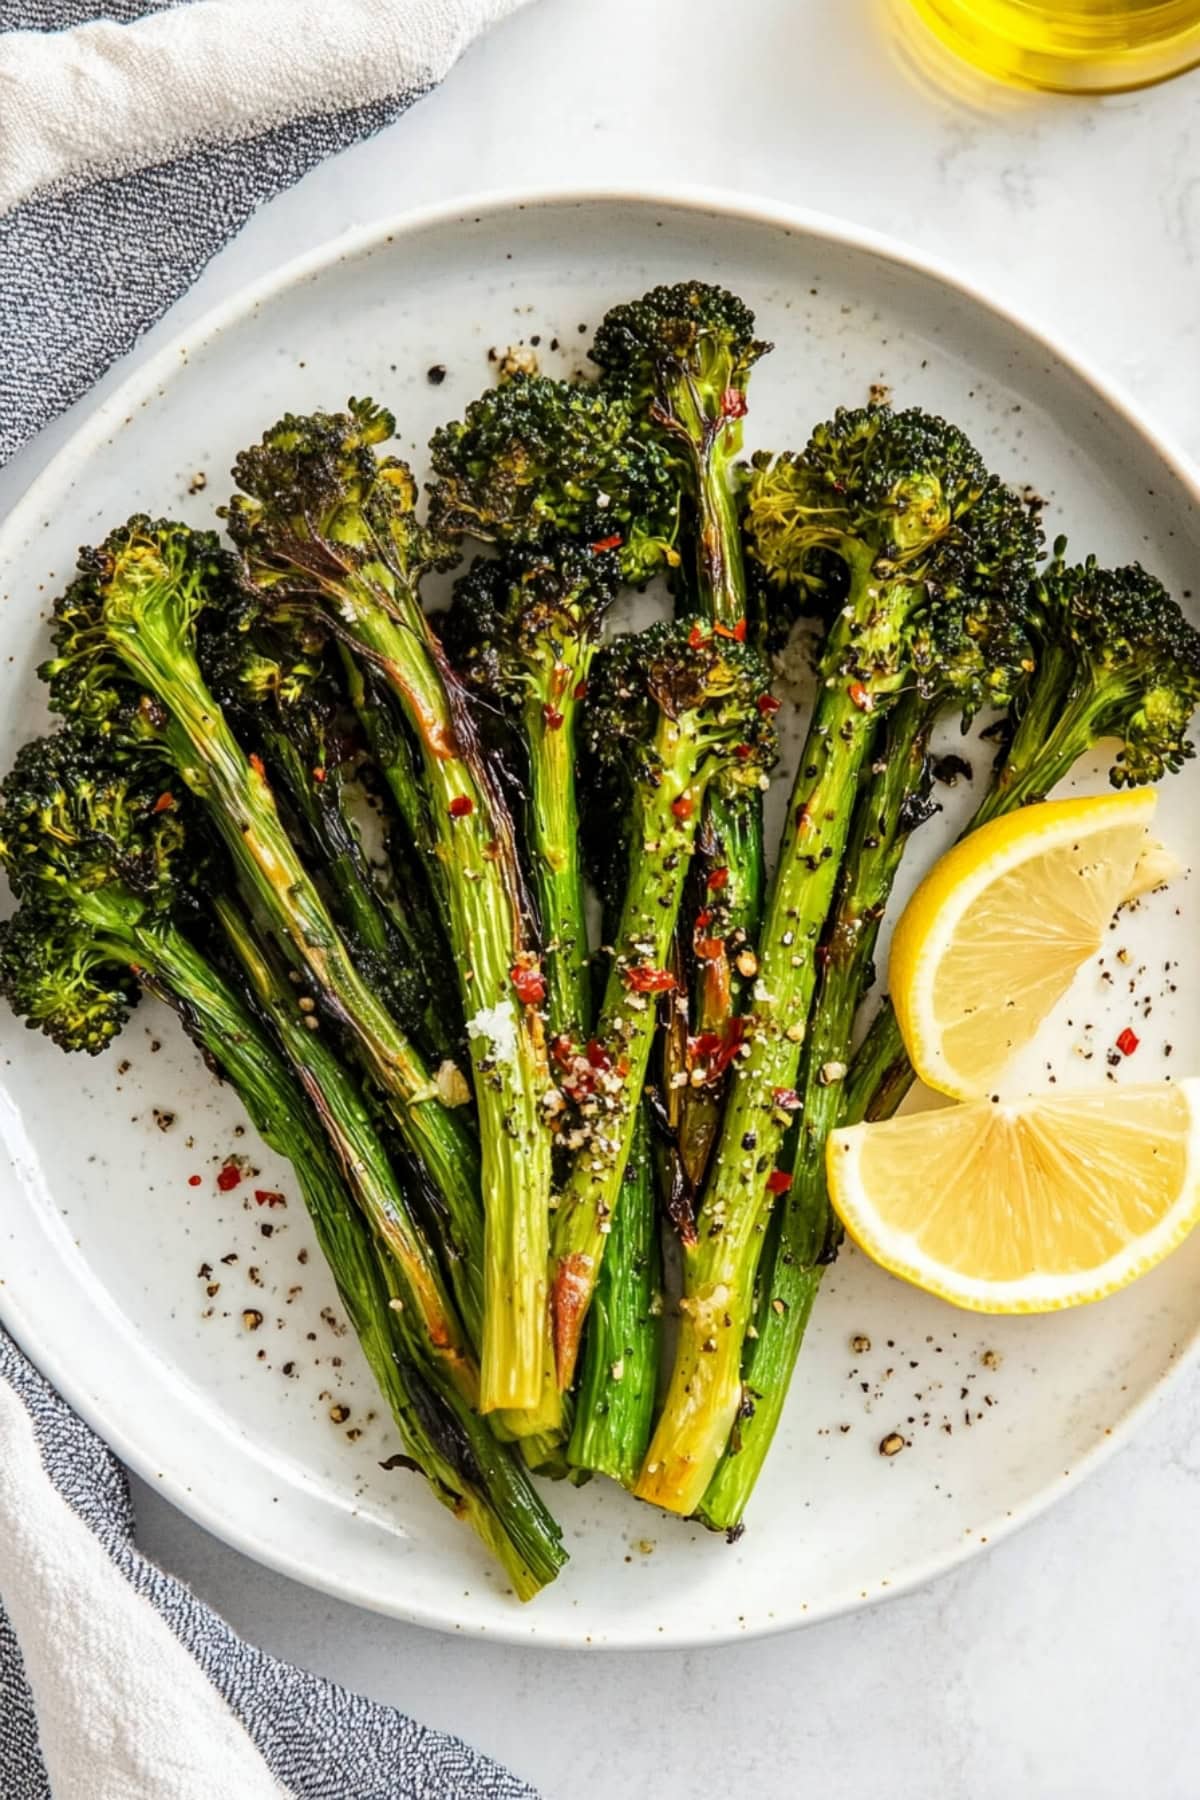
[(1047, 1203), (993, 936)]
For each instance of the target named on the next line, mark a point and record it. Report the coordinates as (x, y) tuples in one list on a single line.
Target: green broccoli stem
[(1056, 727), (804, 1232), (388, 741), (338, 1102), (553, 826), (662, 839), (382, 932), (239, 800), (474, 841), (614, 1406), (618, 1375), (705, 1390), (734, 821), (720, 559), (472, 1475)]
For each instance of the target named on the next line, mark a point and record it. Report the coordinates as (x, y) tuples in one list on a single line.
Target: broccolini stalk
[(985, 653), (276, 686), (125, 632), (930, 542), (338, 1104), (322, 516), (100, 867), (523, 632), (1115, 659), (614, 1407), (416, 849), (618, 1377), (681, 357), (674, 706), (804, 1232)]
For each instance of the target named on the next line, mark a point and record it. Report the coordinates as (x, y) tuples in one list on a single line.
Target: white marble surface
[(1063, 1666)]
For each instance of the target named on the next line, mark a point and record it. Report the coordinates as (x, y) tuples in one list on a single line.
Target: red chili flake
[(702, 918), (164, 803), (707, 1044), (318, 774), (1128, 1042), (256, 763), (623, 1067), (597, 1055), (786, 1099), (733, 404), (581, 690), (778, 1181), (609, 543), (709, 949), (861, 697), (460, 806), (718, 878), (695, 637), (645, 980), (529, 983), (736, 632), (228, 1175), (768, 705), (735, 1031), (743, 752), (269, 1197), (195, 1180), (562, 1050), (684, 807), (552, 717)]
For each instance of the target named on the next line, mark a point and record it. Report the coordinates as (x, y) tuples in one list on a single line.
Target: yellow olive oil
[(1081, 46)]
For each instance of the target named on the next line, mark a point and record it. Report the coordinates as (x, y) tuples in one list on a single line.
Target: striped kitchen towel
[(133, 145), (131, 148), (116, 1683)]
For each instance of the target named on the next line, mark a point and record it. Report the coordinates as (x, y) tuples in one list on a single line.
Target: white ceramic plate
[(110, 1261)]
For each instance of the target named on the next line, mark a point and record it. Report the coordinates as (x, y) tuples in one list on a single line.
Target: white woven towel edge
[(104, 98), (128, 1714)]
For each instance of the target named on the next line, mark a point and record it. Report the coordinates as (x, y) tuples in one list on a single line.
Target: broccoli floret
[(98, 855), (318, 503), (682, 356), (134, 605), (56, 978), (704, 686), (1136, 660), (76, 822), (536, 460)]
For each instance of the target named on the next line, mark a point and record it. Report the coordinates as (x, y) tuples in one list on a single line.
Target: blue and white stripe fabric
[(132, 146)]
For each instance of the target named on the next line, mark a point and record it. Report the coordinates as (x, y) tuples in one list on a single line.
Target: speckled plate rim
[(138, 389)]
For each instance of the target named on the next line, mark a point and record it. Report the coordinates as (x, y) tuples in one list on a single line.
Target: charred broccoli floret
[(681, 357), (535, 461)]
